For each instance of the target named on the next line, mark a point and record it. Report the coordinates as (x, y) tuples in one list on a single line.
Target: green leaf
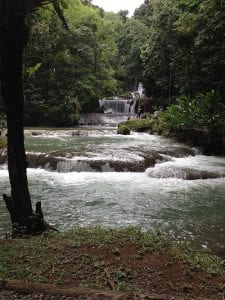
[(33, 69), (63, 4)]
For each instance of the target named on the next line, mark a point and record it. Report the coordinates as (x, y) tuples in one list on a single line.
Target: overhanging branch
[(21, 8)]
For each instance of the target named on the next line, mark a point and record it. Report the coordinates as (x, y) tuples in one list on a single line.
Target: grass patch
[(199, 260), (94, 257)]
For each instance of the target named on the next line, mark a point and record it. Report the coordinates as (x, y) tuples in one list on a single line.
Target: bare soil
[(114, 267), (129, 268)]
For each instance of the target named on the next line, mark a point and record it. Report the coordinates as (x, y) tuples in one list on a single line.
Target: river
[(87, 177)]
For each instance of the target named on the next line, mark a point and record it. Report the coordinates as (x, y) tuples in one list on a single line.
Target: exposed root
[(30, 225)]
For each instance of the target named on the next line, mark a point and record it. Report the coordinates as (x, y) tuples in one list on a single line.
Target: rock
[(116, 252), (124, 130)]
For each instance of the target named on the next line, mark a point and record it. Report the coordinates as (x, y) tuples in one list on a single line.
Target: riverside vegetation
[(199, 121), (114, 259)]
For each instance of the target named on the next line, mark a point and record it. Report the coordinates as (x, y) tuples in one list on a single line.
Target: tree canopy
[(173, 47)]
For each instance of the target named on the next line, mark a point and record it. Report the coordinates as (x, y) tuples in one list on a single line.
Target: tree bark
[(13, 38), (12, 41)]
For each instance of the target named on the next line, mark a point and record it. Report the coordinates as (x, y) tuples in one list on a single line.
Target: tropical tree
[(123, 15), (132, 35), (184, 52), (14, 28)]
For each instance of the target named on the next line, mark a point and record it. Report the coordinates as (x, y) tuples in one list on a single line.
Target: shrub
[(139, 125), (203, 112), (123, 129)]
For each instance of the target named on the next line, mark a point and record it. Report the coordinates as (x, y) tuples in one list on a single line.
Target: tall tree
[(131, 37), (14, 28), (77, 66), (123, 15)]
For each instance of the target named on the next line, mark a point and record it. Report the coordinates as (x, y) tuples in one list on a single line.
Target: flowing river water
[(87, 177)]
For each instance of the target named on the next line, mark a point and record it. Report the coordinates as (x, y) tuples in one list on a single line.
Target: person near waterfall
[(139, 111)]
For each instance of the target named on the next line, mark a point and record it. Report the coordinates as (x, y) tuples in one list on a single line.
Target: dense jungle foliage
[(175, 47)]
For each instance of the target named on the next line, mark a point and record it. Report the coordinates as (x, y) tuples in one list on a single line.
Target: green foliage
[(203, 112), (32, 70), (138, 125), (123, 129), (131, 36), (199, 260), (67, 112), (78, 63), (183, 53), (3, 142), (64, 4), (123, 15), (143, 12)]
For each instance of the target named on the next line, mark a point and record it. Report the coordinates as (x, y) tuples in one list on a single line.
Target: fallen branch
[(109, 281), (49, 289)]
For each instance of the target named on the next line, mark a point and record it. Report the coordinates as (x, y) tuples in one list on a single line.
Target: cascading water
[(114, 111), (86, 177), (140, 88), (118, 106), (139, 93), (96, 119)]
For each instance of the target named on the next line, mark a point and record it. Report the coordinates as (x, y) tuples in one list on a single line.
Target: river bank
[(210, 142), (122, 260)]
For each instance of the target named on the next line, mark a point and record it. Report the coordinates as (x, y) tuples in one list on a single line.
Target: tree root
[(31, 225), (53, 290)]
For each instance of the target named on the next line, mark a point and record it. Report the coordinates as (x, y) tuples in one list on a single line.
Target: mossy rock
[(139, 125), (123, 129)]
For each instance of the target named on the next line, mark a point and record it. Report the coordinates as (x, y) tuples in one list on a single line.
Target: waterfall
[(113, 111), (140, 89), (101, 119), (139, 93), (118, 106)]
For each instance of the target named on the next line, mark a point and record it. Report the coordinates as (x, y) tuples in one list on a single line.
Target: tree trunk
[(12, 41)]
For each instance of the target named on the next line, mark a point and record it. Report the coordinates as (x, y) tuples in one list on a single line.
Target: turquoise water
[(159, 197)]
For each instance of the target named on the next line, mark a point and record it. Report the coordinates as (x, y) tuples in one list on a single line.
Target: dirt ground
[(128, 268), (119, 267)]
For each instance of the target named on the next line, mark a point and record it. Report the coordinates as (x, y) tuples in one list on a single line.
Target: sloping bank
[(210, 142), (121, 260)]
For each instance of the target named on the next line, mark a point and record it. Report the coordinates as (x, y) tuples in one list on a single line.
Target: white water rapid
[(94, 177)]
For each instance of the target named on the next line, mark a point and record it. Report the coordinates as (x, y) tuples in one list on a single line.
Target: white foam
[(195, 166)]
